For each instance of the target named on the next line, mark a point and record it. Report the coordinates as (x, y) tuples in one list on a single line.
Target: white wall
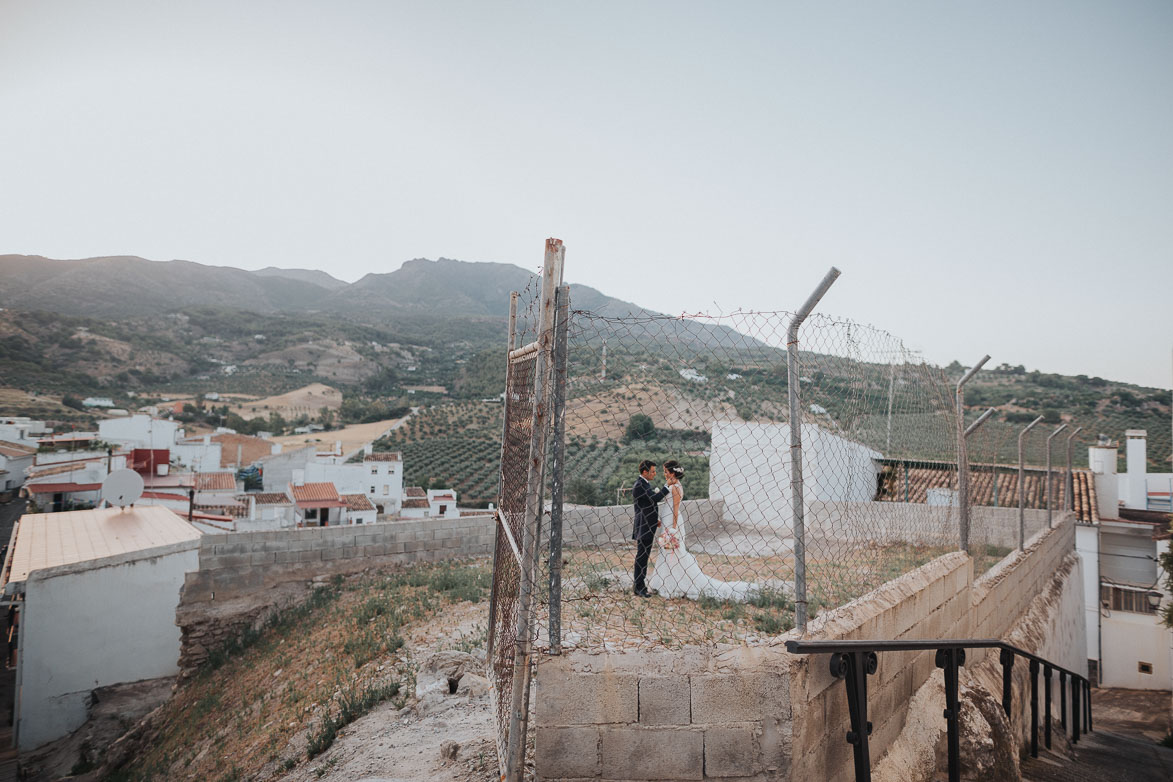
[(387, 479), (201, 457), (1128, 640), (15, 466), (94, 624), (750, 470), (278, 468), (1087, 545), (347, 478), (139, 431)]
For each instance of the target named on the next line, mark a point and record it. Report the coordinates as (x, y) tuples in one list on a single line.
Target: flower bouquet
[(669, 541)]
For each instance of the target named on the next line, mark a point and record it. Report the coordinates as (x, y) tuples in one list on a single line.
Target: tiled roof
[(216, 481), (316, 495), (415, 491), (15, 451), (922, 476), (265, 498), (415, 503), (388, 456), (439, 497), (357, 502), (57, 469), (232, 511), (53, 488)]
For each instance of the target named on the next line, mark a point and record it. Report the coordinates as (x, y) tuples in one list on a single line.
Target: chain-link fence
[(710, 394)]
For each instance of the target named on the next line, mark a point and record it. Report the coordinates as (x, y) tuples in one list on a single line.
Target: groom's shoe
[(642, 593)]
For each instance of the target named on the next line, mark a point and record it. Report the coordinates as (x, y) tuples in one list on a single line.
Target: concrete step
[(1103, 756)]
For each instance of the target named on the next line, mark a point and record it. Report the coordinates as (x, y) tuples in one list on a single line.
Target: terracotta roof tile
[(357, 502), (911, 484), (265, 498), (15, 451), (312, 492), (216, 481), (416, 503), (414, 492)]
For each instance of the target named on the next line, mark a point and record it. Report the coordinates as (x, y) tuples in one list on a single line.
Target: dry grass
[(278, 697)]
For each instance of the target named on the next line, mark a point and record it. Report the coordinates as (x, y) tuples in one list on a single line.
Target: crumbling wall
[(243, 577)]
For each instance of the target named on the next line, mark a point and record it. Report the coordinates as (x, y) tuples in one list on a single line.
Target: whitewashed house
[(14, 461), (384, 480), (431, 504)]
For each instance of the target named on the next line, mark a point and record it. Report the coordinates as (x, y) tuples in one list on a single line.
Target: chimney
[(338, 447), (1101, 458), (1132, 488), (239, 455), (275, 449), (207, 439), (252, 508), (299, 477), (368, 448)]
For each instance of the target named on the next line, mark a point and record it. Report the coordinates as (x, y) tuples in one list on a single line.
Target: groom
[(647, 520)]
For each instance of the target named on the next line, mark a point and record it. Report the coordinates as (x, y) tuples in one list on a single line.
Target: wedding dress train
[(676, 572)]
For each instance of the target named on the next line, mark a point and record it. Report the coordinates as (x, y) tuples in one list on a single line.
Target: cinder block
[(566, 698), (230, 561), (664, 700), (330, 554), (311, 555), (652, 753), (731, 697), (350, 552), (263, 558), (376, 550), (730, 751), (567, 753)]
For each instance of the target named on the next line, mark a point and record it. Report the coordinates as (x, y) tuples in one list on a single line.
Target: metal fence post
[(963, 459), (558, 466), (1022, 487), (1069, 481), (796, 498), (1050, 483)]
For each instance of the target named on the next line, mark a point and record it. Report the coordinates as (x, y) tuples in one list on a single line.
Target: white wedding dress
[(676, 573)]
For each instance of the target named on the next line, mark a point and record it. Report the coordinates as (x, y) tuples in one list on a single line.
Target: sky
[(991, 177)]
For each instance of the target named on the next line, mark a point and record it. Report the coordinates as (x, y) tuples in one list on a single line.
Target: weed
[(772, 624), (352, 704)]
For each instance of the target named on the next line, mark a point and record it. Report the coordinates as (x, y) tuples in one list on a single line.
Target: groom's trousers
[(643, 550)]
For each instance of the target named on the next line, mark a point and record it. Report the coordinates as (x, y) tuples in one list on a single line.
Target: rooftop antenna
[(122, 488)]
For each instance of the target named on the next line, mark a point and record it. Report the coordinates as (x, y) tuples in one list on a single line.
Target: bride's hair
[(674, 467)]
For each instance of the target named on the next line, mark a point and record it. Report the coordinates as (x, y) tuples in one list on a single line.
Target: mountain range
[(121, 286)]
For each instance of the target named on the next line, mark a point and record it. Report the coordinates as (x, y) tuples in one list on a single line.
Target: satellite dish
[(122, 488)]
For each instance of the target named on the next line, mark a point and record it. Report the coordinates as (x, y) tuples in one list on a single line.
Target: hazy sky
[(990, 177)]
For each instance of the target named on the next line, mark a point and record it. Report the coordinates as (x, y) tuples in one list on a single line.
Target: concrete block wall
[(596, 712), (892, 522), (585, 526), (244, 576), (241, 563), (692, 714)]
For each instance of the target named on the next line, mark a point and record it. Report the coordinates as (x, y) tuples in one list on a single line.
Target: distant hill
[(312, 276), (125, 286)]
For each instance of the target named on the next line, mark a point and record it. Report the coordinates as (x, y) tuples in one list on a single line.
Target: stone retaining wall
[(758, 713), (243, 577)]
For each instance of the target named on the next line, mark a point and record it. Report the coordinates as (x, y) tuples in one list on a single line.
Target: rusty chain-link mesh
[(506, 561), (712, 394)]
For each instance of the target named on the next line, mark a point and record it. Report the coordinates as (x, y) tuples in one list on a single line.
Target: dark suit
[(643, 531)]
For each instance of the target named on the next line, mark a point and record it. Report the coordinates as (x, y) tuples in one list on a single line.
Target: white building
[(22, 430), (97, 401), (140, 431), (750, 470), (1123, 580), (14, 460), (96, 592), (384, 480), (431, 504)]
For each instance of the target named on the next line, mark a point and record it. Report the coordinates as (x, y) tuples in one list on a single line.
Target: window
[(374, 471), (443, 509), (373, 490), (386, 489), (1144, 667), (1130, 599), (311, 514)]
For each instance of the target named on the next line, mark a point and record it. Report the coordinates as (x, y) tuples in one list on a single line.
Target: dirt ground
[(352, 437), (307, 400), (393, 746)]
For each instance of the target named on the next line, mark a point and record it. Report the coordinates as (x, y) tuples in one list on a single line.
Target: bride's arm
[(675, 506)]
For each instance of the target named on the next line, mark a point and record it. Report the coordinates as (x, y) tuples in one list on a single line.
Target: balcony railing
[(854, 661)]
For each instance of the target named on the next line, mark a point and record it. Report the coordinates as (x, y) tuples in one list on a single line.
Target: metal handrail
[(854, 661)]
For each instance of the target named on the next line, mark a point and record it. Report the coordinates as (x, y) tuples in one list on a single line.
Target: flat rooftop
[(45, 540)]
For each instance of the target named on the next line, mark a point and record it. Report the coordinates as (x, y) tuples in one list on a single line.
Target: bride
[(677, 573)]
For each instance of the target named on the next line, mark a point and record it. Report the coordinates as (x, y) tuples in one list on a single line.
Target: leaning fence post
[(796, 499), (1022, 487), (1050, 483), (558, 465), (962, 457), (1069, 482)]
